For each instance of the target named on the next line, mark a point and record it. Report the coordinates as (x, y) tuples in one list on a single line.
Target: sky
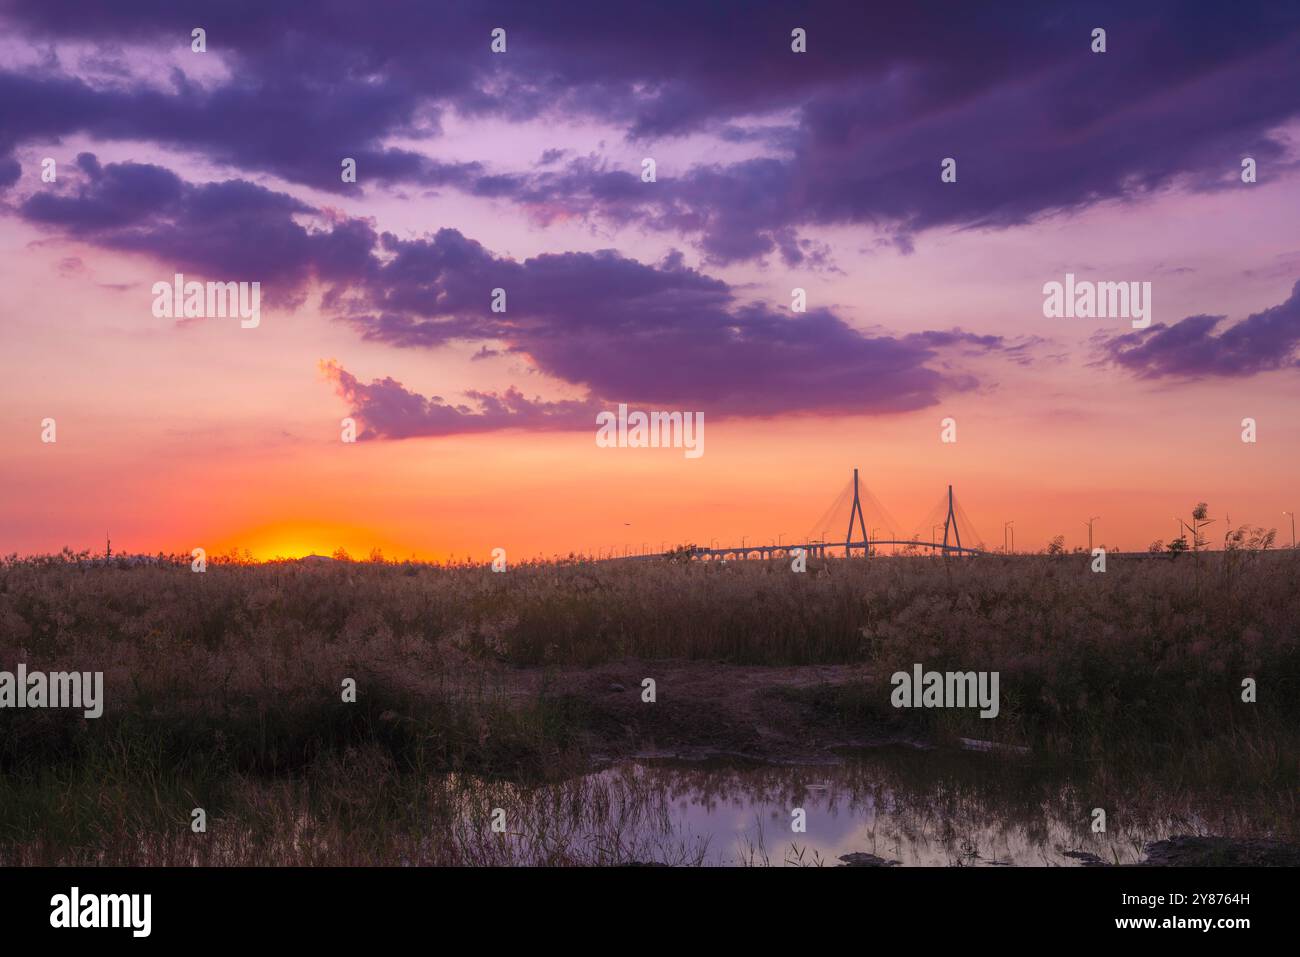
[(129, 155)]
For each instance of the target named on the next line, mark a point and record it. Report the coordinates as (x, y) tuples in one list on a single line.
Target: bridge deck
[(816, 549)]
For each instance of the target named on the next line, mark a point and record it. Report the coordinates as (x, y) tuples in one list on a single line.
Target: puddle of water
[(936, 808)]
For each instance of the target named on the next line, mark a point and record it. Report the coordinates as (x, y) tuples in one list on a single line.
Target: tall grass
[(226, 686)]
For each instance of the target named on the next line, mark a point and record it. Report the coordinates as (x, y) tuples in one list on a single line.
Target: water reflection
[(936, 808)]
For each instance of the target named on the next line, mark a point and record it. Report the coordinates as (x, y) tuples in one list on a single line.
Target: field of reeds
[(223, 688)]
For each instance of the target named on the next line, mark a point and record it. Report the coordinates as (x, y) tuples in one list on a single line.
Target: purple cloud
[(1078, 131), (620, 329), (387, 410), (233, 230), (665, 334), (1194, 348), (856, 126)]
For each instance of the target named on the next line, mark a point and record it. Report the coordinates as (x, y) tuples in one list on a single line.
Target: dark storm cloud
[(1197, 347), (1036, 121)]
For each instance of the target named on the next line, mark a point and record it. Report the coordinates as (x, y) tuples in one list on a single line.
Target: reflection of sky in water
[(919, 808)]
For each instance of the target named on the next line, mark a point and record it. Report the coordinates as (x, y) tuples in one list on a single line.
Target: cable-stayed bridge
[(959, 534)]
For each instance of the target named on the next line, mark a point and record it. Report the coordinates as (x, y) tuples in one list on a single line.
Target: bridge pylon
[(950, 522), (856, 510)]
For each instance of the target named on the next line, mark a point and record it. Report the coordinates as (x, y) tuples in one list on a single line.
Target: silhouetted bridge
[(864, 544), (813, 549)]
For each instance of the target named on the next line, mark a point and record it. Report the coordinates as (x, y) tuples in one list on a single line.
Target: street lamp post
[(1089, 524), (1292, 514)]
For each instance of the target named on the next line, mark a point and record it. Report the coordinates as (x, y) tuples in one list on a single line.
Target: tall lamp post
[(1089, 524), (1292, 514)]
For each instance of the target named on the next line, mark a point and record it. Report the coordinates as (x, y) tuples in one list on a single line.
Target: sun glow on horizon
[(300, 539)]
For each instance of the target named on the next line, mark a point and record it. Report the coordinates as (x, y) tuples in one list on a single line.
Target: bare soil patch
[(777, 714)]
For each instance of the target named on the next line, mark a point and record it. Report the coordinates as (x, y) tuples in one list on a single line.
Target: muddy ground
[(787, 715)]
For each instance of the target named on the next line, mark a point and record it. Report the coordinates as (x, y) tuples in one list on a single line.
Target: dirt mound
[(1186, 851)]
